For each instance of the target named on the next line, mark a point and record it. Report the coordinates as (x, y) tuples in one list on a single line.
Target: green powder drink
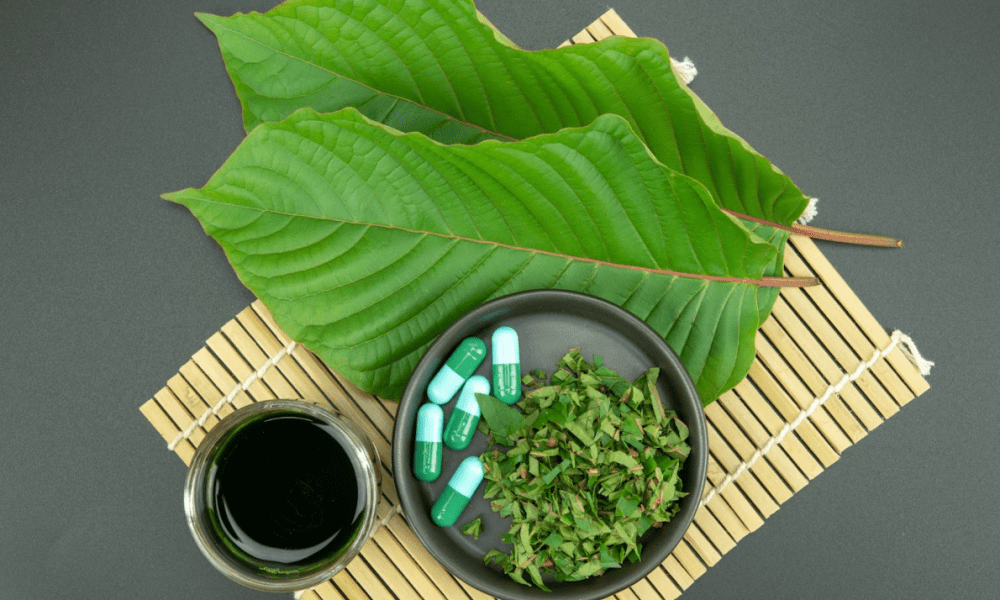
[(282, 494)]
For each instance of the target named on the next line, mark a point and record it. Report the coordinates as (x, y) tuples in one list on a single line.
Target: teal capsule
[(506, 365), (464, 418), (455, 497), (460, 365), (427, 444)]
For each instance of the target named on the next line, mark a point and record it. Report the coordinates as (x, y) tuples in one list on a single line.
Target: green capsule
[(455, 497), (460, 365), (464, 418), (506, 365), (427, 443)]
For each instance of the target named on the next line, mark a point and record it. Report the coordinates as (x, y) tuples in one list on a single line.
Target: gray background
[(886, 111)]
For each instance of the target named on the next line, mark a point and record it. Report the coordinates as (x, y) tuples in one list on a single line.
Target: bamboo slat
[(814, 339)]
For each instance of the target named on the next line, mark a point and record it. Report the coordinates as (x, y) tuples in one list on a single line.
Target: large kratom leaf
[(435, 67), (366, 243)]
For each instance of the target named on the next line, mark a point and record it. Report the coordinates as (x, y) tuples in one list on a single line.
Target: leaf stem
[(863, 239), (790, 281)]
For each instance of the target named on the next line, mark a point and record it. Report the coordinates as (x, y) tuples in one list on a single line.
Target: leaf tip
[(207, 19), (176, 197)]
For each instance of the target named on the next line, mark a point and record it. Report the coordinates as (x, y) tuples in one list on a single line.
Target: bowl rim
[(682, 386)]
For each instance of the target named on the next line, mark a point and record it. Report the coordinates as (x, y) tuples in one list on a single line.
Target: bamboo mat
[(826, 374)]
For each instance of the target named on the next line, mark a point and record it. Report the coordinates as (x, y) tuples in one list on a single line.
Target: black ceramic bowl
[(548, 323)]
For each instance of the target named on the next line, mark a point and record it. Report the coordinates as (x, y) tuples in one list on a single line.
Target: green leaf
[(473, 528), (436, 67), (623, 459), (365, 243), (627, 505), (502, 419), (557, 412), (607, 562), (548, 477), (576, 429)]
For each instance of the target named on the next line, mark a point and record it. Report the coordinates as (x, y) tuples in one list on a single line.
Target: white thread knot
[(909, 350), (242, 387), (809, 213), (898, 338), (684, 69)]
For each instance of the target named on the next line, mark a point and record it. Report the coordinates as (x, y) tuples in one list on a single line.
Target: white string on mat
[(200, 421), (898, 338), (384, 521)]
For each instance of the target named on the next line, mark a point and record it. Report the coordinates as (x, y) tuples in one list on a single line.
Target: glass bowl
[(268, 494)]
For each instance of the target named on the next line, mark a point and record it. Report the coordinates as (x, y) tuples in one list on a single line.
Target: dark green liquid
[(284, 495)]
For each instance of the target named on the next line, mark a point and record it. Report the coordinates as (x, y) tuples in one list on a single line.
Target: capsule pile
[(431, 432)]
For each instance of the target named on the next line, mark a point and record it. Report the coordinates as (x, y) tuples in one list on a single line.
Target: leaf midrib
[(389, 227)]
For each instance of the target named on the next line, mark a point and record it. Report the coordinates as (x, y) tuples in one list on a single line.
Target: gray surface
[(886, 111)]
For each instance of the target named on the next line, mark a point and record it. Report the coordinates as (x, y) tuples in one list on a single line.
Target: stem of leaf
[(789, 281), (863, 239)]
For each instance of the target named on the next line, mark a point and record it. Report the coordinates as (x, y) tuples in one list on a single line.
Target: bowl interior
[(548, 323)]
